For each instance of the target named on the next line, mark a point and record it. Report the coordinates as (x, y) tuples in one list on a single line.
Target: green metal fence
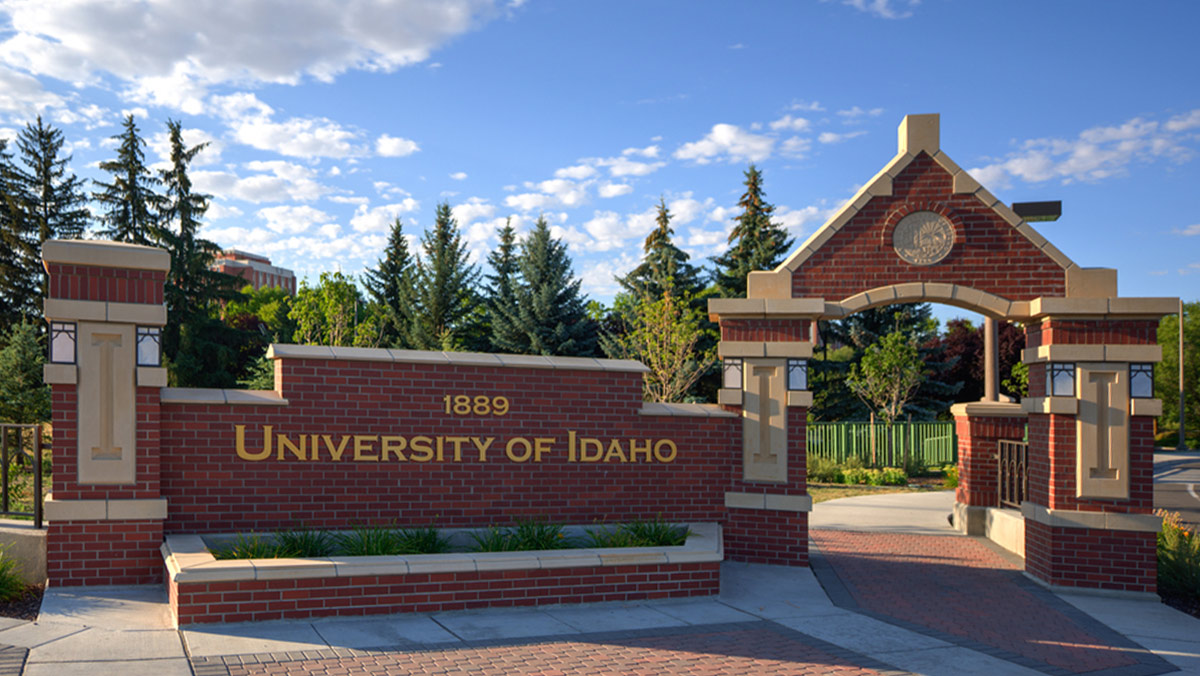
[(881, 445)]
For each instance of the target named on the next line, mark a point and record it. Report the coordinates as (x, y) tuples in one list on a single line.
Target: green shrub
[(893, 476), (252, 546), (1178, 557), (421, 541), (656, 533), (914, 466), (537, 535), (823, 470), (853, 462), (494, 539), (11, 585), (856, 475), (303, 543), (951, 476), (610, 537), (368, 541)]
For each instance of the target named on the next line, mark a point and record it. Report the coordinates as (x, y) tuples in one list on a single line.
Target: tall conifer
[(502, 286), (131, 203), (444, 297), (664, 267), (18, 290), (551, 313), (50, 199), (756, 243), (390, 285)]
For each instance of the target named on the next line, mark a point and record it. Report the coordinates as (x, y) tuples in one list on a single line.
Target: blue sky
[(327, 119)]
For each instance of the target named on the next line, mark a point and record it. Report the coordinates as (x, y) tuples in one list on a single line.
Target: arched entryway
[(922, 229)]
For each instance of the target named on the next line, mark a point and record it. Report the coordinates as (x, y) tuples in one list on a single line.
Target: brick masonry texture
[(211, 489), (254, 600), (765, 330), (104, 552), (1085, 557), (988, 254), (80, 282), (1056, 331), (959, 589), (978, 444), (758, 648)]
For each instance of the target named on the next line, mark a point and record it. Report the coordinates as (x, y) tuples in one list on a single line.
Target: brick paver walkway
[(960, 589), (749, 648)]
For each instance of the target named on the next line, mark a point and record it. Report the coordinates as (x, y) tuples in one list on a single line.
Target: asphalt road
[(1177, 484)]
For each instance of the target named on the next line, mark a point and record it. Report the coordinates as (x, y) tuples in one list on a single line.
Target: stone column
[(1089, 514), (106, 312), (979, 427), (767, 344)]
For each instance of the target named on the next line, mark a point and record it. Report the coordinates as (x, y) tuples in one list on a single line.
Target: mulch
[(1184, 604), (26, 606)]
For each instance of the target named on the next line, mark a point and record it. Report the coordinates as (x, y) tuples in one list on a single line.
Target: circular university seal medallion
[(923, 238)]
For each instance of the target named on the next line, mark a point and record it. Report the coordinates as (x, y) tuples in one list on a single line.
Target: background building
[(255, 269)]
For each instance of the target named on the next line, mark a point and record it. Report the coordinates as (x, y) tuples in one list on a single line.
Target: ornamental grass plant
[(1178, 557)]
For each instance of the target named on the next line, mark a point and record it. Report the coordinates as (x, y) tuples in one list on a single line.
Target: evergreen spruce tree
[(192, 288), (390, 286), (18, 290), (664, 266), (50, 199), (130, 202), (444, 295), (551, 313), (755, 243), (24, 398), (501, 290)]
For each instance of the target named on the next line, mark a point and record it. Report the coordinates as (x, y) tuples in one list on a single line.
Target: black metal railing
[(1014, 482), (21, 470)]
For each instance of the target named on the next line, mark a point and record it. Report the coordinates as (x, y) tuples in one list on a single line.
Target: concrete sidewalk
[(766, 620)]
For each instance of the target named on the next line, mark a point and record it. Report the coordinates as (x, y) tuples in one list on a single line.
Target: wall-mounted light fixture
[(62, 342), (149, 346), (797, 374), (732, 374)]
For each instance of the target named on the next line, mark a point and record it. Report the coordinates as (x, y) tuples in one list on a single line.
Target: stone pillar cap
[(105, 254)]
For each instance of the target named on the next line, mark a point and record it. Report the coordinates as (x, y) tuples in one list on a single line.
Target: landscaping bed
[(204, 589)]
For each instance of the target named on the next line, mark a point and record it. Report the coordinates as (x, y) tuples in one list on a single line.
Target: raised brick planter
[(204, 590)]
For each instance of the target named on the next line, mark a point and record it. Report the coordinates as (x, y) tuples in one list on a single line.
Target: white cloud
[(577, 172), (831, 137), (727, 142), (1190, 231), (789, 123), (168, 51), (459, 176), (1184, 122), (795, 147), (810, 106), (292, 220), (472, 210), (217, 211), (685, 209), (529, 201), (566, 193), (1096, 154), (648, 151), (623, 166), (614, 189), (24, 95), (885, 9), (379, 219), (395, 146), (277, 181), (599, 278), (349, 199), (297, 137), (160, 144), (856, 112), (91, 116)]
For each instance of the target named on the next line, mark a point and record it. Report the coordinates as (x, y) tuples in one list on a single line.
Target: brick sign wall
[(401, 441)]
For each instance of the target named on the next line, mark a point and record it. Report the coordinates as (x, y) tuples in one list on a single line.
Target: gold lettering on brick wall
[(299, 447)]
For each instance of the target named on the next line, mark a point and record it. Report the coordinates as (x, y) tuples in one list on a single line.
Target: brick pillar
[(979, 427), (105, 512), (1088, 516), (767, 501)]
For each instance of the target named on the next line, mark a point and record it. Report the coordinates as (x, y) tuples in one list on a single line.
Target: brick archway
[(1088, 518)]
